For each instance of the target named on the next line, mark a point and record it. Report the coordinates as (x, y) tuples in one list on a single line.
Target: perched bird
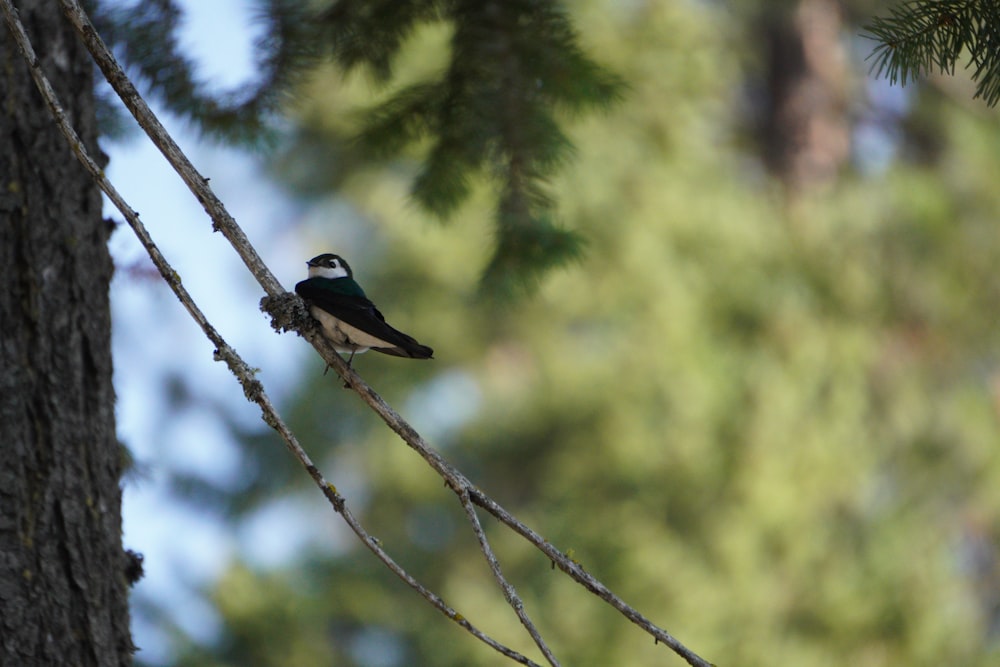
[(351, 322)]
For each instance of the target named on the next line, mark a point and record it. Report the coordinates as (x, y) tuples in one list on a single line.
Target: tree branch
[(252, 388), (288, 313), (923, 35), (508, 589), (575, 570)]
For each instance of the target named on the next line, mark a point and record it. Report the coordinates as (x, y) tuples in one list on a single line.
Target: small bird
[(351, 322)]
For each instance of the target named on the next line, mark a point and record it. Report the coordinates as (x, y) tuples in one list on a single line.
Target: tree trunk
[(806, 132), (63, 588)]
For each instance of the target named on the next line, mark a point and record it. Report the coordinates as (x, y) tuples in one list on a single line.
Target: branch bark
[(509, 593), (288, 313), (252, 388)]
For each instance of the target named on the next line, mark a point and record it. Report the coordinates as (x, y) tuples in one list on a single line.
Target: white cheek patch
[(328, 271)]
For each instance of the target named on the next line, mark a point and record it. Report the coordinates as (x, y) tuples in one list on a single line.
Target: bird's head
[(328, 265)]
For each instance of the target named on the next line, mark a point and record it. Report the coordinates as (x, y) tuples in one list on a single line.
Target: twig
[(508, 589), (573, 568), (252, 388), (198, 184), (277, 304)]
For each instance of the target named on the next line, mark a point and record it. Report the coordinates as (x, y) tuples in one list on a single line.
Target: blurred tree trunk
[(63, 590), (806, 133)]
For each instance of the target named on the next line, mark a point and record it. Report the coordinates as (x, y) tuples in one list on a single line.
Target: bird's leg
[(349, 360)]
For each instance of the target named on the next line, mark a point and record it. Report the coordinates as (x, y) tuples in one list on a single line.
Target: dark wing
[(359, 312)]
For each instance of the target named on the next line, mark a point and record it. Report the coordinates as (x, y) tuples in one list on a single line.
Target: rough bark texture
[(63, 590)]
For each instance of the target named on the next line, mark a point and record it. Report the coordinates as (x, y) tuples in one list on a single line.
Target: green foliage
[(371, 33), (146, 34), (525, 251), (921, 36), (513, 68), (772, 430)]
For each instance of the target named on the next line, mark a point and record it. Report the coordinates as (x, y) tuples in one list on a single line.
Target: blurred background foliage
[(762, 406)]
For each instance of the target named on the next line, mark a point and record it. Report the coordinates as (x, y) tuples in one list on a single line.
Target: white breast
[(344, 337)]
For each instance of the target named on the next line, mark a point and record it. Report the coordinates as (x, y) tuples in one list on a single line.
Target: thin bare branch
[(288, 313), (575, 570), (222, 221), (252, 388), (508, 589)]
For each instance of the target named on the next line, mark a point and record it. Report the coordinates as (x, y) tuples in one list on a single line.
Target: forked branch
[(252, 387), (287, 313)]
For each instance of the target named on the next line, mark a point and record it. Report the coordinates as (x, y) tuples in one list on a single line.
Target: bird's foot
[(349, 360)]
